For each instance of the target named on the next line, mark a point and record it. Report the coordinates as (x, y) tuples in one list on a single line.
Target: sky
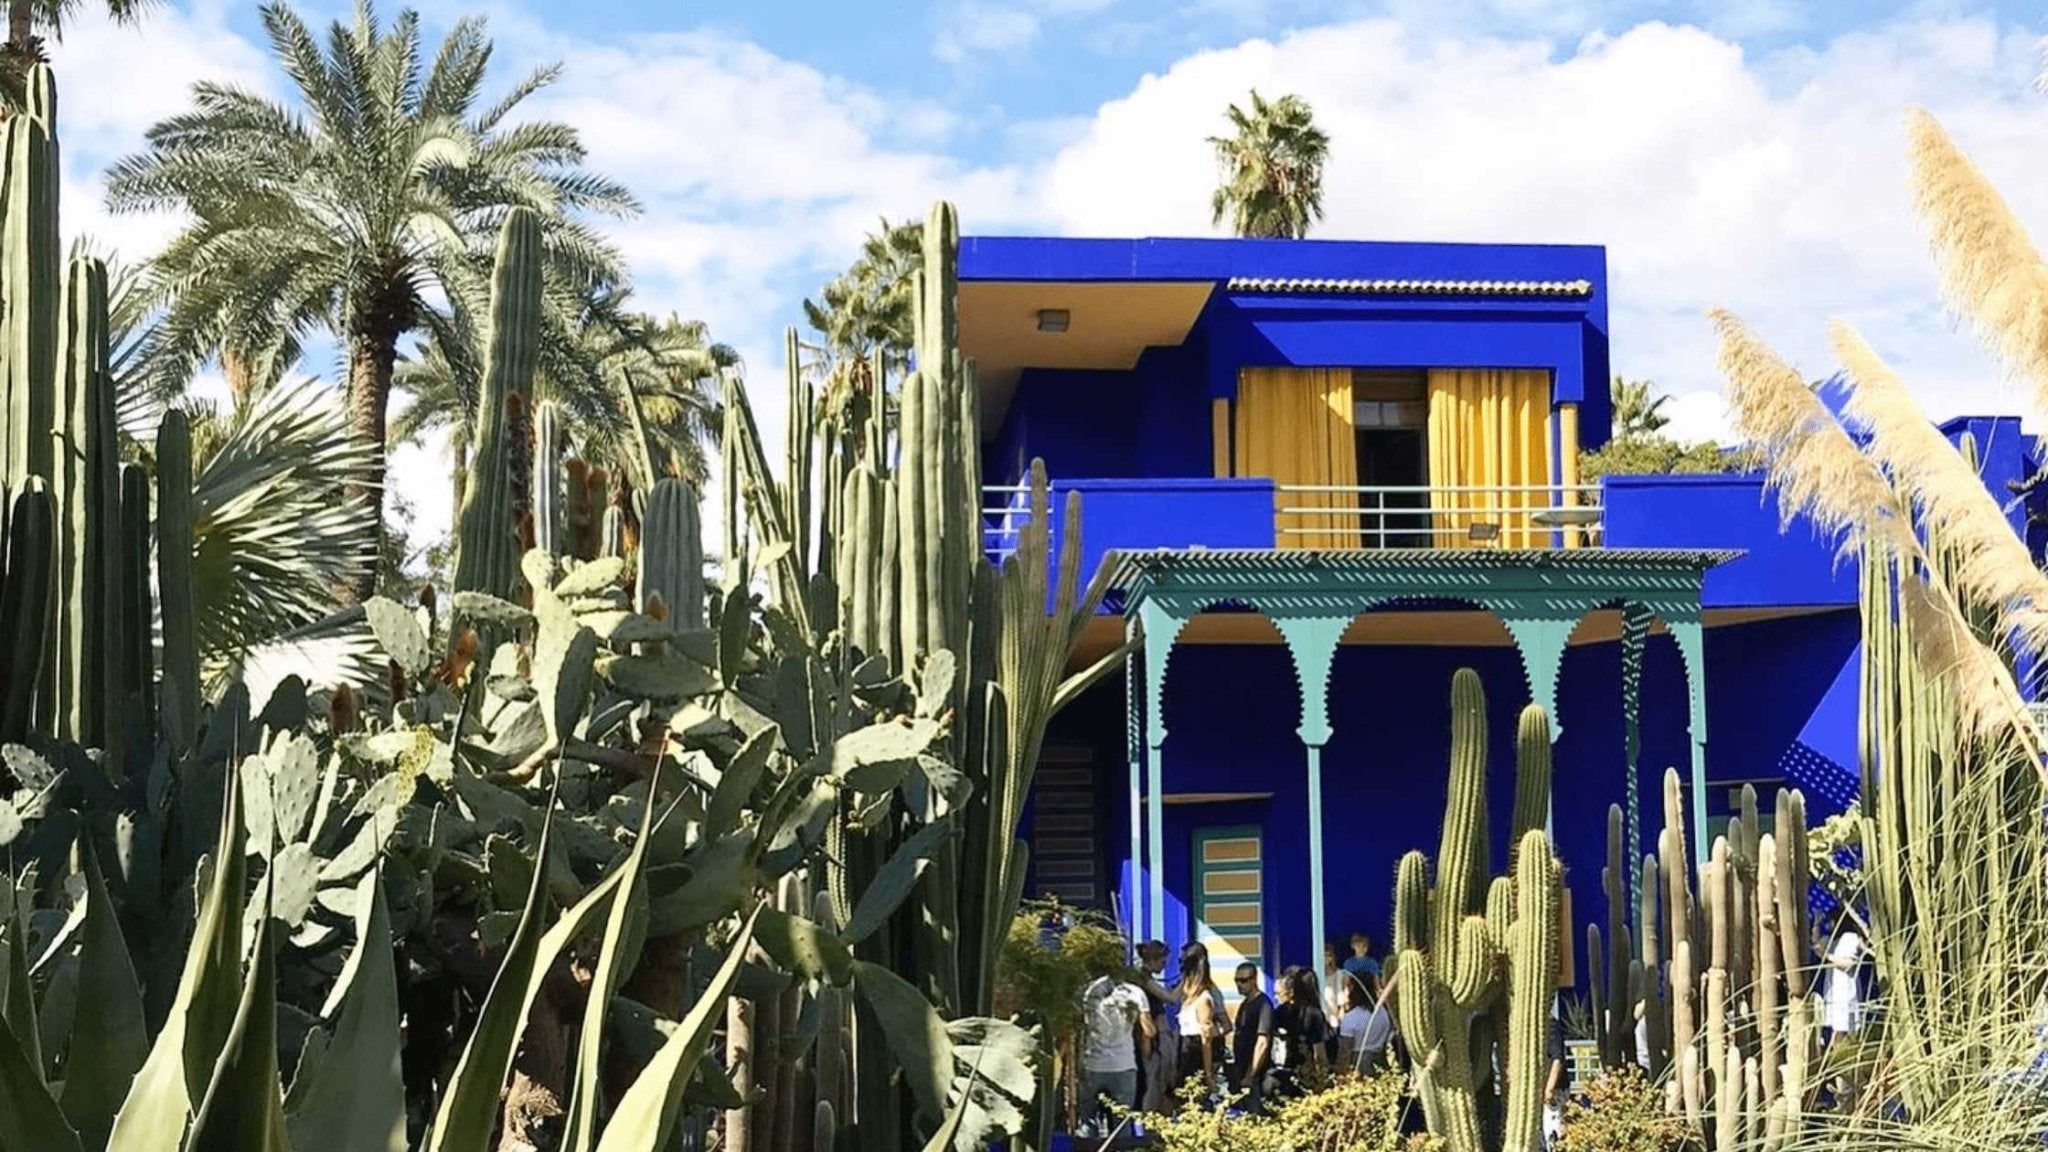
[(1747, 154)]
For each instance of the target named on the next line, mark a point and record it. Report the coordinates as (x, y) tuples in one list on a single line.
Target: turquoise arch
[(1312, 597)]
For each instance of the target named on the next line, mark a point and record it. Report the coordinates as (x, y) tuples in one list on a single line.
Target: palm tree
[(1272, 162), (671, 369), (1637, 413), (350, 210), (597, 360), (868, 308), (25, 48)]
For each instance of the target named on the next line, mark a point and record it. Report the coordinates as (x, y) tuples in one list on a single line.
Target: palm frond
[(360, 206), (277, 533)]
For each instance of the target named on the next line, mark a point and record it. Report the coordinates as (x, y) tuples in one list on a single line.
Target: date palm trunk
[(17, 54), (372, 355)]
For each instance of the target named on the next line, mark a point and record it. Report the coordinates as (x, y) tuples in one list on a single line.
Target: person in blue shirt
[(1361, 962)]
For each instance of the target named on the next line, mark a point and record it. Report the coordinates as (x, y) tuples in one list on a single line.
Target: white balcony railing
[(1331, 517), (1005, 509), (1421, 516)]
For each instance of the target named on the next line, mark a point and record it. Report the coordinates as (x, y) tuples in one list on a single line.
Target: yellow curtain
[(1294, 425), (1489, 429), (1219, 435), (1568, 466)]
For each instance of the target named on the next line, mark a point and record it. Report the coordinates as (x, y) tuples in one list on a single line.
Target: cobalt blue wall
[(2005, 455), (1081, 423), (1231, 712), (1248, 329), (1779, 566), (1061, 259), (1168, 434)]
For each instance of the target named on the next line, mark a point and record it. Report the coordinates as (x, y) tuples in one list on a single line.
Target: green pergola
[(1312, 597)]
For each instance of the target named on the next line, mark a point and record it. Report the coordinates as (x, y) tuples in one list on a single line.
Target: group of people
[(1145, 1039)]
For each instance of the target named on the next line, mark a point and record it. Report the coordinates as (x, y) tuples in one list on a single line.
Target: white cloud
[(760, 175), (976, 28), (1772, 185), (980, 27), (113, 83)]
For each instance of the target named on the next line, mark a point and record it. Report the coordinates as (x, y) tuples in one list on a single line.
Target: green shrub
[(1662, 456)]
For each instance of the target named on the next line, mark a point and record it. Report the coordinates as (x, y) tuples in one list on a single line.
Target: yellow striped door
[(1230, 905)]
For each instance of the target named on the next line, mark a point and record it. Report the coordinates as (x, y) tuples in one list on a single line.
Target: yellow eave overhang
[(1109, 325)]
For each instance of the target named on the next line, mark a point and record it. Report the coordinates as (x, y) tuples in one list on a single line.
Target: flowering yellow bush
[(1353, 1114), (1621, 1111)]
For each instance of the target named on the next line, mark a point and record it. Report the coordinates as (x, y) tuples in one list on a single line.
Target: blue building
[(1322, 476)]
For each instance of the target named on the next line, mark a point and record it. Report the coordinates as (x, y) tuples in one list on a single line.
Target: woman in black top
[(1301, 1033)]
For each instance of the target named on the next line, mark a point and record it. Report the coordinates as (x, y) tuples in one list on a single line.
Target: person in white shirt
[(1365, 1029), (1156, 1073), (1841, 984), (1116, 1018), (1335, 979)]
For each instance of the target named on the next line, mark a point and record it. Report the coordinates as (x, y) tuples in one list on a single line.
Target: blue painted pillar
[(1161, 627), (1686, 630), (1134, 743), (1312, 642)]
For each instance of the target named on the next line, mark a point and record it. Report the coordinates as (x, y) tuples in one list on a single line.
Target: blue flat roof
[(1069, 259)]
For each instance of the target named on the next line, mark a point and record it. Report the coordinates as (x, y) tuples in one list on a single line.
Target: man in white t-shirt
[(1116, 1018), (1841, 986)]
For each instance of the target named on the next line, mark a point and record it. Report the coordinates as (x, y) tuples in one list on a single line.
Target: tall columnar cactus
[(487, 531), (798, 446), (31, 270), (549, 520), (582, 509), (27, 573), (672, 554), (57, 435), (1467, 943), (174, 542), (1728, 1014), (899, 576), (1533, 946), (84, 705), (134, 677)]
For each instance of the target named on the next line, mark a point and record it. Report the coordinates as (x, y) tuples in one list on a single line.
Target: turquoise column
[(1312, 642), (1540, 633), (1686, 630), (1635, 630), (1134, 743), (1161, 627)]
